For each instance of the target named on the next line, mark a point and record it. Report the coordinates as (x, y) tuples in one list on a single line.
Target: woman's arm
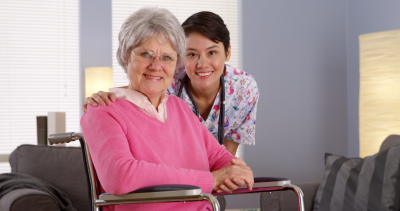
[(231, 146), (244, 114), (120, 172), (102, 98), (227, 176), (117, 169)]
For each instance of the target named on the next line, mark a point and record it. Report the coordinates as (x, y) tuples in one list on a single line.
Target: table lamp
[(379, 102)]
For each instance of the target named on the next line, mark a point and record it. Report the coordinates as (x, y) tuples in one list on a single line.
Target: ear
[(127, 62), (228, 54), (127, 59)]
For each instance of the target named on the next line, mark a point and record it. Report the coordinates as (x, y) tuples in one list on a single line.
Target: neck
[(207, 93), (154, 100)]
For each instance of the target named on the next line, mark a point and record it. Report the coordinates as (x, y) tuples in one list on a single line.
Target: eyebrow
[(213, 46)]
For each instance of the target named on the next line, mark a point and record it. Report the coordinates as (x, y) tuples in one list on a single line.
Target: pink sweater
[(131, 150)]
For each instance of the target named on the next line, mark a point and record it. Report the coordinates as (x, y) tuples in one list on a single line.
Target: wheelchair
[(165, 193)]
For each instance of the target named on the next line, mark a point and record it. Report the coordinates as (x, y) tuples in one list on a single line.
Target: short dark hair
[(210, 25)]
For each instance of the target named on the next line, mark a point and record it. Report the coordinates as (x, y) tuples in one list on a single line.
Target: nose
[(202, 62), (156, 64)]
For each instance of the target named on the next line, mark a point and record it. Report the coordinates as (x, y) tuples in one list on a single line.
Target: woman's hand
[(102, 98), (233, 176)]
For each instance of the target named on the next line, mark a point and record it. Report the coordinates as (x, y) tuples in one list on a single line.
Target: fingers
[(249, 180), (230, 185), (238, 161), (239, 182), (102, 98), (244, 173), (99, 97), (250, 183), (224, 188), (112, 96), (84, 107), (106, 97), (90, 101)]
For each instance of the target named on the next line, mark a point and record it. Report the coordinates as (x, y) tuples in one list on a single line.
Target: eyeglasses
[(148, 56)]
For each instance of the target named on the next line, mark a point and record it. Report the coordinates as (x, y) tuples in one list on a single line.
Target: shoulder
[(234, 74), (115, 109), (176, 81), (100, 115), (240, 80), (177, 102)]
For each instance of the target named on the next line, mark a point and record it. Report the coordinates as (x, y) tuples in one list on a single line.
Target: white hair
[(144, 23)]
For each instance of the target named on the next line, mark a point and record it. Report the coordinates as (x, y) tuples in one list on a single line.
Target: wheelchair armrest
[(28, 199), (266, 182), (261, 184), (158, 191), (158, 188)]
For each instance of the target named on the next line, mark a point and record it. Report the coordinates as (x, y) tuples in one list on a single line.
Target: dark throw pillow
[(370, 183)]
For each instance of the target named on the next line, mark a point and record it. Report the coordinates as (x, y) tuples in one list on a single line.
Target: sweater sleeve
[(218, 156), (117, 169)]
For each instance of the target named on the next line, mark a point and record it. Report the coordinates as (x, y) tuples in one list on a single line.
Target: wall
[(296, 50), (95, 37), (364, 17), (307, 77)]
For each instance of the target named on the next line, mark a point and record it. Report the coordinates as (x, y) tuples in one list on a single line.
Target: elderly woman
[(148, 137)]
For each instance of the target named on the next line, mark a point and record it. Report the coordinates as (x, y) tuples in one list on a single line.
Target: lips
[(204, 73), (153, 77)]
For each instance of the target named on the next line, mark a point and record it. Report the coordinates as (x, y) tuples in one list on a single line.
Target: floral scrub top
[(241, 96)]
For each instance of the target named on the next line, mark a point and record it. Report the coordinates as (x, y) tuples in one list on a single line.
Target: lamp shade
[(379, 111), (98, 79)]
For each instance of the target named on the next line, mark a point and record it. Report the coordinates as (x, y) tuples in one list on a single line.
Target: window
[(39, 68), (182, 9)]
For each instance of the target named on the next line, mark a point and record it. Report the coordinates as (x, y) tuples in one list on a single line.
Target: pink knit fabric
[(131, 150), (140, 100)]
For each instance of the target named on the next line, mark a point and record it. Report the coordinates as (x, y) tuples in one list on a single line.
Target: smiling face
[(204, 61), (151, 67)]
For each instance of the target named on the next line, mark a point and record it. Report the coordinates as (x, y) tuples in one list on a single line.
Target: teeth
[(152, 77), (204, 74)]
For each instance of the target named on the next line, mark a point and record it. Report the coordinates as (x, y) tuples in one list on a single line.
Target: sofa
[(61, 167), (286, 200)]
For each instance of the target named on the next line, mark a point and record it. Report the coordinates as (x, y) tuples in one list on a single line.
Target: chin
[(205, 85)]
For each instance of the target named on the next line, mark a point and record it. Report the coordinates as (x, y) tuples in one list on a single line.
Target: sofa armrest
[(287, 200), (27, 199)]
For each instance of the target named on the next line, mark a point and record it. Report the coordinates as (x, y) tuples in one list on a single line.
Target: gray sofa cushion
[(62, 167), (390, 141), (28, 199), (372, 183)]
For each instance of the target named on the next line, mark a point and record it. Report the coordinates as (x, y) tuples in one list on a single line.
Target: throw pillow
[(370, 183)]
